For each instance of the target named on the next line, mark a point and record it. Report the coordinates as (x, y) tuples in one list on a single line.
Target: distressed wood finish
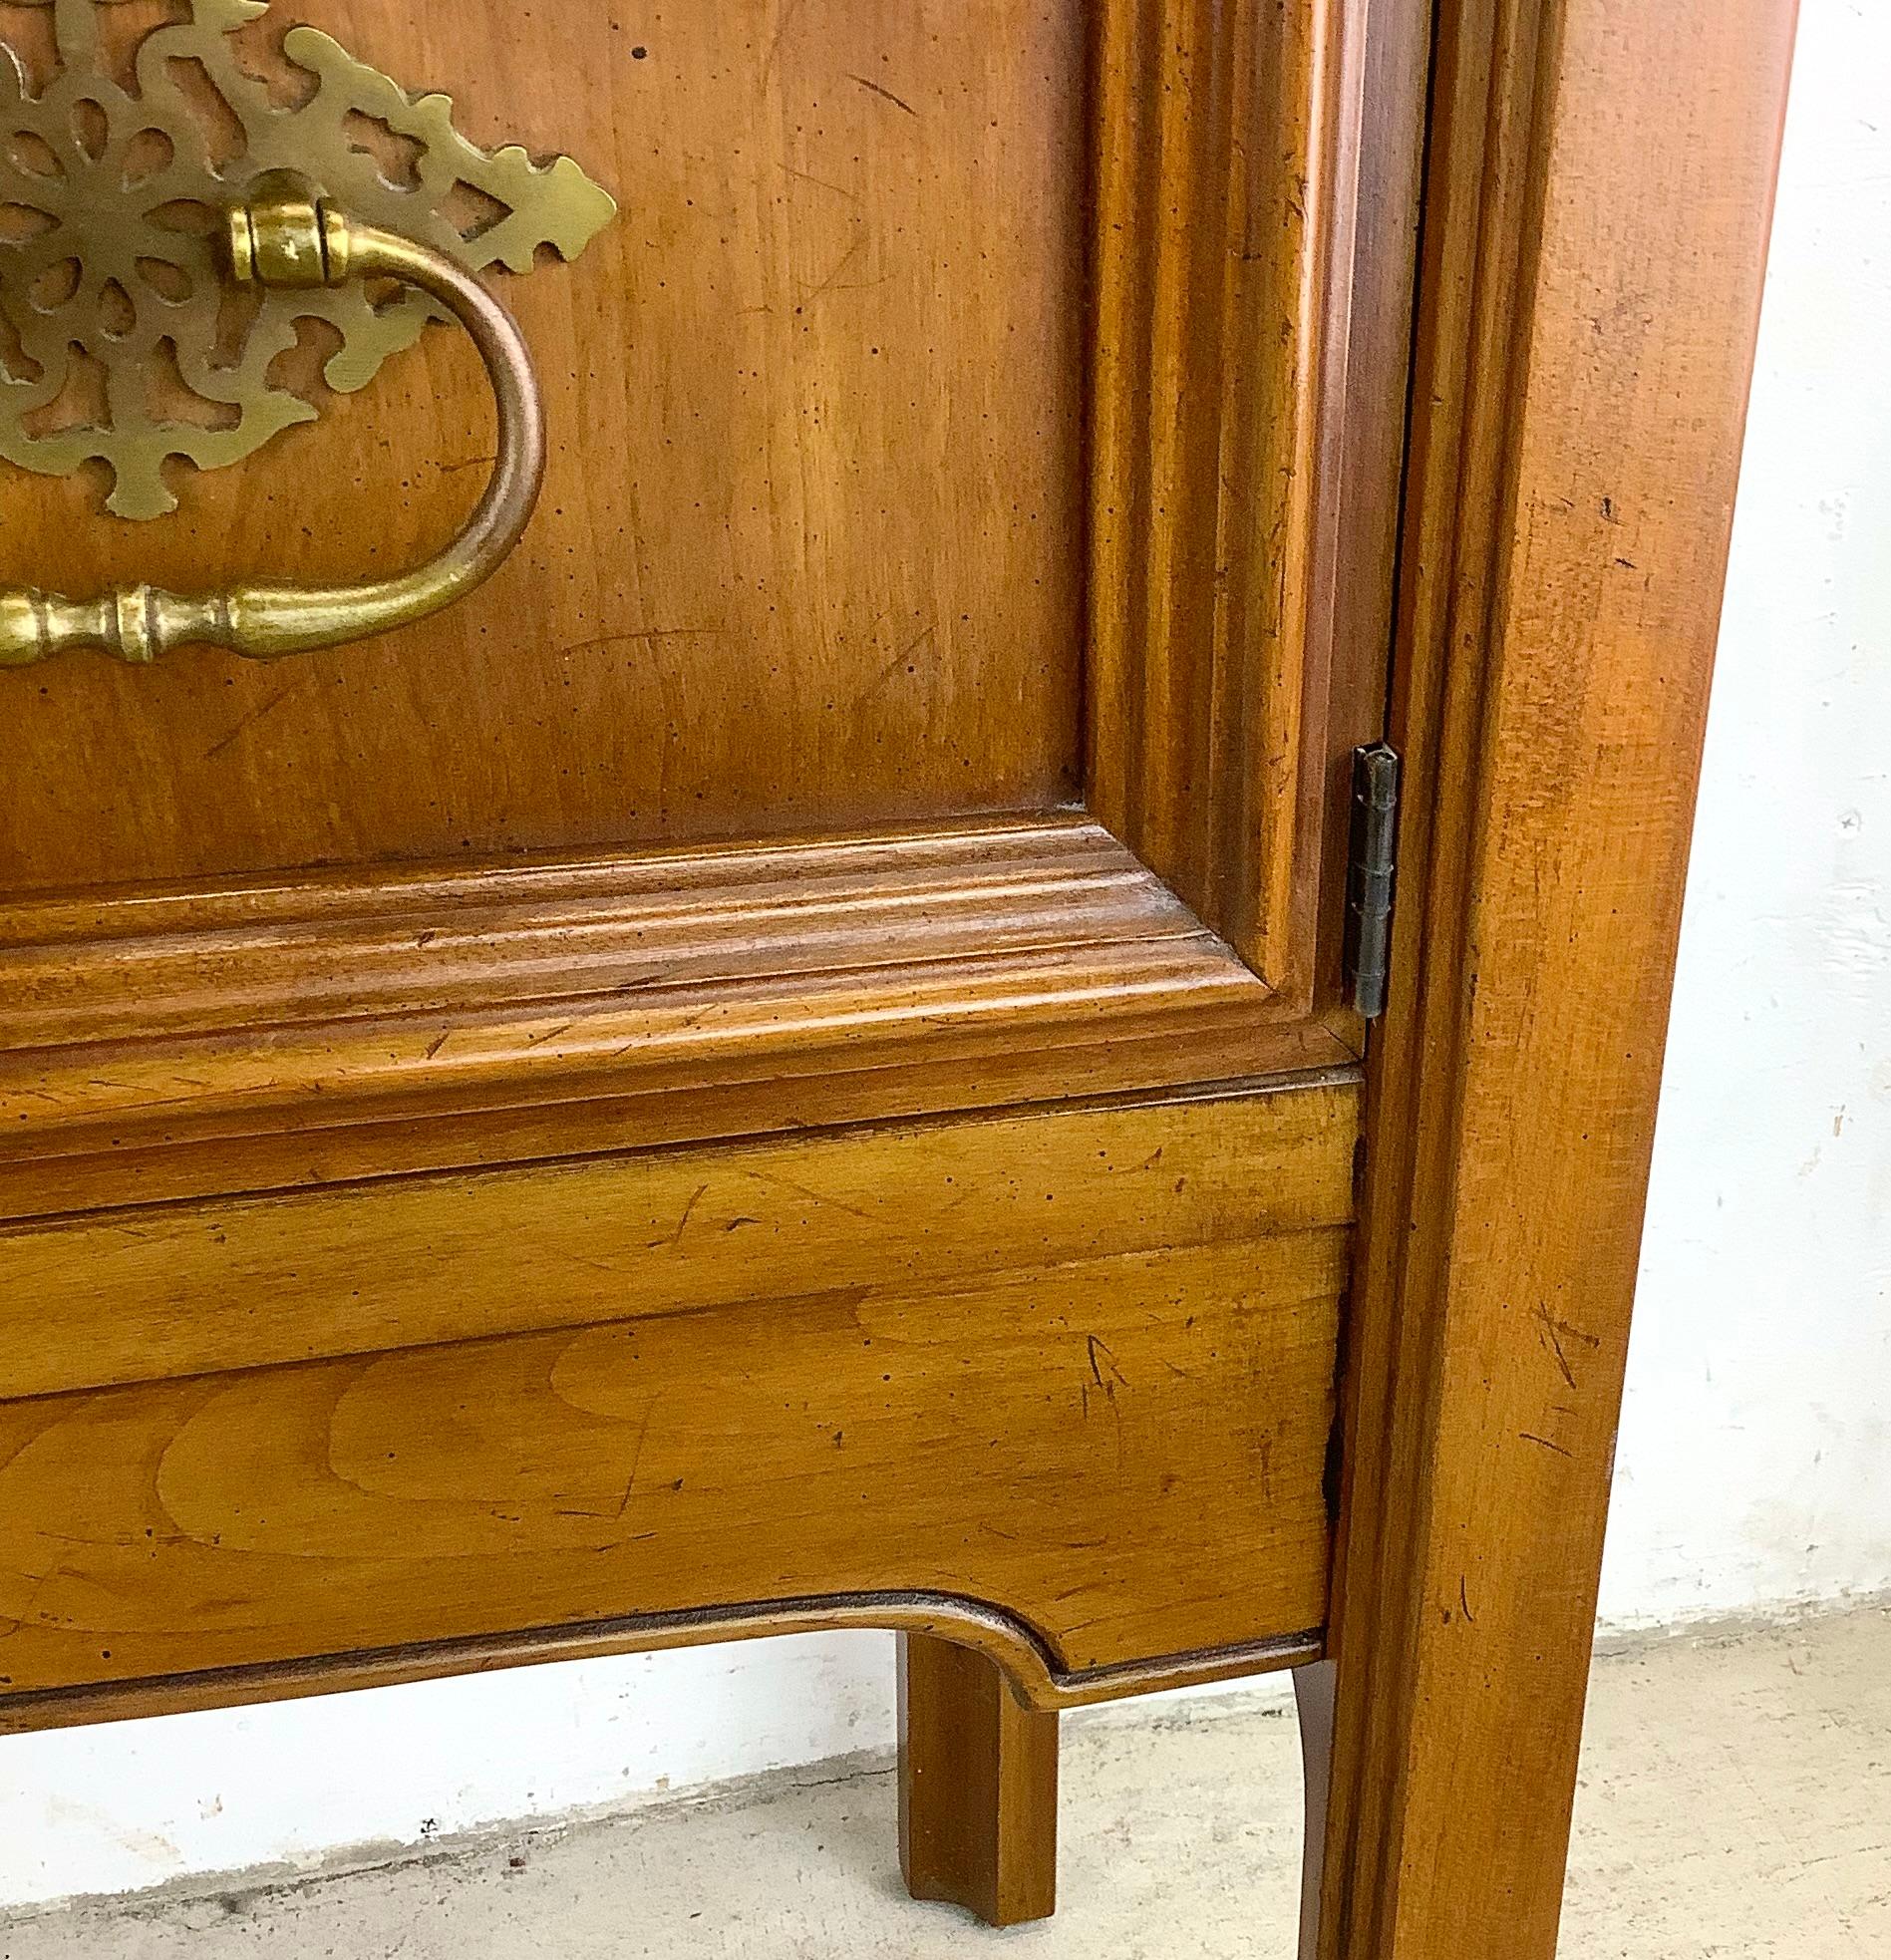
[(431, 1239), (810, 549), (1596, 225), (1040, 1374), (152, 1292), (1256, 182), (977, 1786), (167, 1045)]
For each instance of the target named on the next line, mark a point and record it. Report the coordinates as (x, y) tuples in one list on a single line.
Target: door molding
[(269, 1035), (1249, 366)]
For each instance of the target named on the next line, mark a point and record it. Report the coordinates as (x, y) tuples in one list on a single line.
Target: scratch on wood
[(1554, 1330), (249, 721), (696, 1198), (637, 1454), (1099, 1358), (807, 177), (830, 282), (901, 659), (801, 1190), (639, 637), (1097, 1346), (886, 94), (783, 21)]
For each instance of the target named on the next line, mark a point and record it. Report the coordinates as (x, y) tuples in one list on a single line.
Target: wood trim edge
[(1596, 220), (268, 1035), (1256, 185), (1004, 1639)]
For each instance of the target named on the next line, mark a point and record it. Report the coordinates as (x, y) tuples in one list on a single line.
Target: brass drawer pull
[(282, 238)]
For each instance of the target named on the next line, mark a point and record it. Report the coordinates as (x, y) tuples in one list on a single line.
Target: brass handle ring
[(285, 238)]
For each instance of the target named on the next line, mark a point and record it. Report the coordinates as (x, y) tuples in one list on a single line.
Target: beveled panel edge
[(303, 896), (290, 1032), (1256, 236), (1001, 1637), (506, 937)]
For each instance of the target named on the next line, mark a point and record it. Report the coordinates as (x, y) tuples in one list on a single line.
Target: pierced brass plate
[(116, 337)]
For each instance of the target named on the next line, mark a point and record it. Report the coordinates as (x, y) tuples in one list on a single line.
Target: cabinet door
[(920, 710), (972, 459)]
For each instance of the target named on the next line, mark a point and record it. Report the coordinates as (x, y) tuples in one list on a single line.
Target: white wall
[(1756, 1460), (1756, 1463)]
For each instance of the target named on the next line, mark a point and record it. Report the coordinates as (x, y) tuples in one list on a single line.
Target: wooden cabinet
[(786, 1060)]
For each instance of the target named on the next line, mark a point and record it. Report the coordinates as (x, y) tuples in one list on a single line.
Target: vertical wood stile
[(1230, 149), (1121, 44), (1595, 228)]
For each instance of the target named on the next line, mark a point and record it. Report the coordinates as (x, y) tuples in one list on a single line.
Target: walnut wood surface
[(1102, 1411), (1596, 223), (978, 1777), (810, 551)]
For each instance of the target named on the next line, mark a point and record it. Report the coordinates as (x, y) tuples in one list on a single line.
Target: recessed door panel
[(810, 553)]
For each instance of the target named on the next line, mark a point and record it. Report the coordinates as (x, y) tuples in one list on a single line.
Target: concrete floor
[(1736, 1801)]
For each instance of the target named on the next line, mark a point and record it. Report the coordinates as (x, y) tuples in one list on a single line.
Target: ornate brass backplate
[(117, 340)]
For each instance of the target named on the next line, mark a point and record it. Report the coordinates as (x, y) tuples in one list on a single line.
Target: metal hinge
[(1372, 866)]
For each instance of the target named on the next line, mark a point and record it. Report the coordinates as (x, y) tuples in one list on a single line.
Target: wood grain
[(190, 961), (810, 551), (1256, 182), (1126, 1454), (1056, 1383), (159, 1045), (978, 1777), (188, 1013), (1596, 224), (152, 1292)]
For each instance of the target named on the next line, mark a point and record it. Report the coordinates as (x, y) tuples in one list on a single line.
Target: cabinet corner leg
[(977, 1786), (1312, 1695)]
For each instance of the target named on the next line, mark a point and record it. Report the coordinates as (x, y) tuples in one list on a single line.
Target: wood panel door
[(930, 676)]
